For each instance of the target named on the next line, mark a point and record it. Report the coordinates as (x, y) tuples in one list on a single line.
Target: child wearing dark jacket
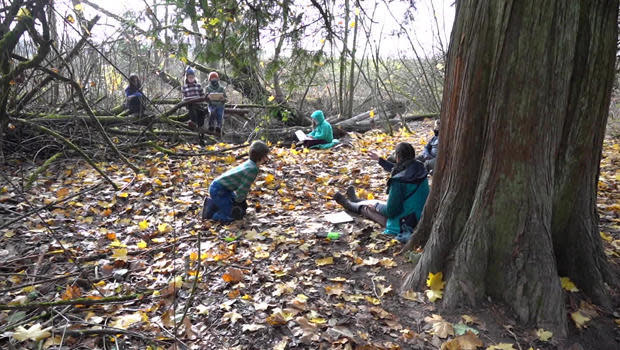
[(227, 193), (134, 98)]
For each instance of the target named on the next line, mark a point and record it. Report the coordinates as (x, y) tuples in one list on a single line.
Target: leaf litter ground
[(266, 282)]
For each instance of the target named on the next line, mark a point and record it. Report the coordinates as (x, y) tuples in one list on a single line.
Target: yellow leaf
[(78, 7), (543, 335), (271, 98), (22, 13), (357, 11), (325, 261), (580, 319), (70, 19), (372, 300), (370, 196), (33, 333), (193, 256), (143, 224), (435, 281), (123, 195), (318, 320), (606, 237), (142, 244), (433, 295), (352, 24), (568, 285), (261, 255), (372, 113), (117, 244), (120, 254), (269, 179), (164, 228)]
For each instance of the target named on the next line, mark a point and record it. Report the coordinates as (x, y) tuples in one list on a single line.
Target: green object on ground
[(333, 235)]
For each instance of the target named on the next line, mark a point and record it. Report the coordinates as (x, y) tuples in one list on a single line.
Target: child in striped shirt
[(193, 91), (228, 191)]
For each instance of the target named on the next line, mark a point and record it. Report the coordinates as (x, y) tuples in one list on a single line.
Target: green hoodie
[(323, 130)]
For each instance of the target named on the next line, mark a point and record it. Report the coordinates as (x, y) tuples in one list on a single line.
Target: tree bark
[(513, 203)]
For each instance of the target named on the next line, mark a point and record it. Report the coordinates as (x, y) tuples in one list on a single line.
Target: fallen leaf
[(439, 326), (468, 341), (580, 319), (252, 327), (568, 285), (202, 310), (325, 261), (33, 333), (435, 281), (543, 335), (232, 316), (433, 295), (232, 275)]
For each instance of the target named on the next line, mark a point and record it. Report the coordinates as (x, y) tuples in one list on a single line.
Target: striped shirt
[(191, 91), (239, 179)]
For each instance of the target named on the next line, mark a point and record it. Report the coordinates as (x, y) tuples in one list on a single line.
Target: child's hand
[(373, 156)]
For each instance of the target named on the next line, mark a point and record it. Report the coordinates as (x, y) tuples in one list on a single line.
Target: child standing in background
[(216, 107), (228, 191), (193, 91)]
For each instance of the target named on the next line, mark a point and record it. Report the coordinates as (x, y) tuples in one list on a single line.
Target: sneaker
[(208, 208), (351, 195)]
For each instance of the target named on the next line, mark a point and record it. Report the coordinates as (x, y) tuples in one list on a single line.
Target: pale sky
[(423, 30)]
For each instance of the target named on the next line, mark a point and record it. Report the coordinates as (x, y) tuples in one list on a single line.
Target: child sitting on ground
[(228, 191), (134, 97), (407, 190), (322, 136)]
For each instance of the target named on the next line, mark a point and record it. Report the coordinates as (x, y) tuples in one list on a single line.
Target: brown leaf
[(232, 275), (467, 341)]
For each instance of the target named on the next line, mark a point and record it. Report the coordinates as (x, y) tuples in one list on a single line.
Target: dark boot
[(347, 204), (351, 194)]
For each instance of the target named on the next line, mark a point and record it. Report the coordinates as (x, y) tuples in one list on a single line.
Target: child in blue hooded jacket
[(407, 190)]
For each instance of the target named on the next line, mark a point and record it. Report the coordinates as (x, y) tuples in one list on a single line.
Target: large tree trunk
[(513, 203)]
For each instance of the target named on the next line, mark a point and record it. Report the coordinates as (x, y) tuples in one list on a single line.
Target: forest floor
[(265, 282)]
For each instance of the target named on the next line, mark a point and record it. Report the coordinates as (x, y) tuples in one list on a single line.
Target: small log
[(78, 301)]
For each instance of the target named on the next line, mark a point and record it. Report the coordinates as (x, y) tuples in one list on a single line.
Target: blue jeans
[(216, 116), (222, 199)]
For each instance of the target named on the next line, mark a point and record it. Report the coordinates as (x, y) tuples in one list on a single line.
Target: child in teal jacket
[(322, 135), (407, 192)]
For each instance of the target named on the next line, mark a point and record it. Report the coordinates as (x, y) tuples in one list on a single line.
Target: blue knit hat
[(190, 71)]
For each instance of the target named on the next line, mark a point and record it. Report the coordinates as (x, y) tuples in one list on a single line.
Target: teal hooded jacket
[(323, 130)]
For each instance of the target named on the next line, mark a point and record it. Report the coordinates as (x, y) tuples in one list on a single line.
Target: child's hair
[(404, 152), (258, 151), (134, 81)]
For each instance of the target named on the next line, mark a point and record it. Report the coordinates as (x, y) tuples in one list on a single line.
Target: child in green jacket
[(322, 133), (407, 190), (228, 191)]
